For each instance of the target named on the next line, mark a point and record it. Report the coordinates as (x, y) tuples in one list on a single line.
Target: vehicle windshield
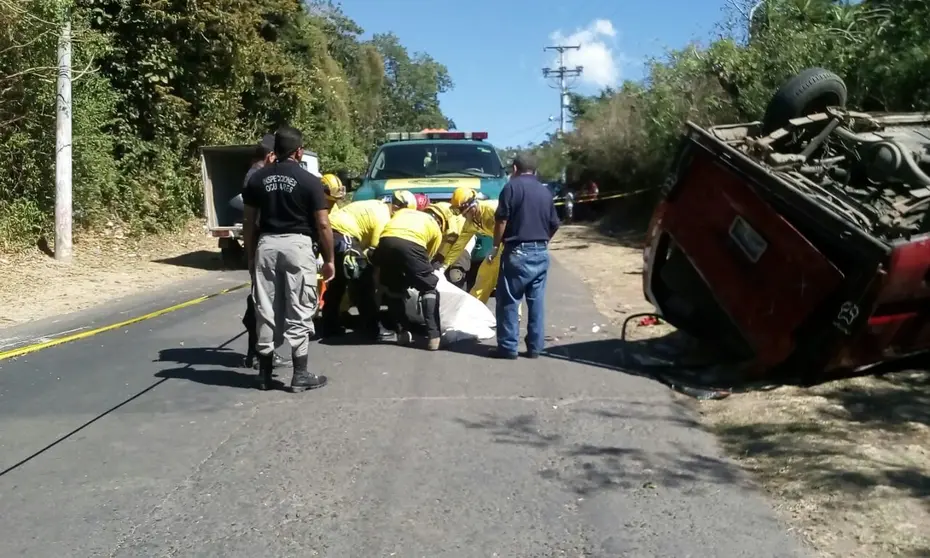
[(430, 160)]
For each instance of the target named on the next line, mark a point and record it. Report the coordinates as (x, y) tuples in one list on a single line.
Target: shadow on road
[(584, 468), (207, 365), (673, 360), (201, 259)]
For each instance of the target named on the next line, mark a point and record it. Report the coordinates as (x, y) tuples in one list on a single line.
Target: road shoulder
[(107, 267), (845, 462)]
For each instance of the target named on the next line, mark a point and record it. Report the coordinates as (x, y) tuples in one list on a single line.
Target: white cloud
[(596, 55)]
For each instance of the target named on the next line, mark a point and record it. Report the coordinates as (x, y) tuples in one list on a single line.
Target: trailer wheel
[(232, 254), (813, 90)]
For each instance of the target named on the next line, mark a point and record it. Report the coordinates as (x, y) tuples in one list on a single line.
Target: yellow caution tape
[(20, 351), (610, 197)]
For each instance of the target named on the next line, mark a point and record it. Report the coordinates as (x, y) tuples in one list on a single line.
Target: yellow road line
[(20, 351)]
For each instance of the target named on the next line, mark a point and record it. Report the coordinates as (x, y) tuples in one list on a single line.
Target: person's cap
[(267, 142)]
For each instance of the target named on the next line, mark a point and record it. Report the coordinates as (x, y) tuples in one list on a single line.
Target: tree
[(625, 138), (414, 86), (156, 80)]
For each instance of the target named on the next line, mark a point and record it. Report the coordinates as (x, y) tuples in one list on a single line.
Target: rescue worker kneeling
[(408, 243), (357, 229), (457, 271), (479, 219)]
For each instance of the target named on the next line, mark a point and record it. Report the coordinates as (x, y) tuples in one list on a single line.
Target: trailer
[(223, 168)]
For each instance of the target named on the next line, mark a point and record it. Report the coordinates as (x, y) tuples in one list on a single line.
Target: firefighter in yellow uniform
[(452, 234), (479, 219), (408, 244), (335, 191), (357, 230)]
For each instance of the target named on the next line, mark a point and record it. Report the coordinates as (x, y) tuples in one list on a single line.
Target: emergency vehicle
[(434, 163)]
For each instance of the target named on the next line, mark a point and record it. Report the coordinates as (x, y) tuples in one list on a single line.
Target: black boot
[(304, 380), (251, 328), (251, 355), (429, 305), (379, 334), (251, 361), (265, 371), (278, 361)]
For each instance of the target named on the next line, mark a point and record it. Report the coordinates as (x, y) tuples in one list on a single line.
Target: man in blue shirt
[(525, 221)]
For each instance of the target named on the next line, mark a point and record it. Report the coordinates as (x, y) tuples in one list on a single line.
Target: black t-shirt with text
[(287, 198)]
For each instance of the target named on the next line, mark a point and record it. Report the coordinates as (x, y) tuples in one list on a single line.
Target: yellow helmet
[(403, 199), (463, 198), (442, 214), (333, 187)]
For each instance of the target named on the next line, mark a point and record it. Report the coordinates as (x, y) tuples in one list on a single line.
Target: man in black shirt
[(525, 221), (287, 206), (264, 155)]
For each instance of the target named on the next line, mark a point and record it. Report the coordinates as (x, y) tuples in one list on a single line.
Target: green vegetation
[(623, 138), (157, 79)]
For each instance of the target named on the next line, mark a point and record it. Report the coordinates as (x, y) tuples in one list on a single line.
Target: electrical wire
[(529, 129)]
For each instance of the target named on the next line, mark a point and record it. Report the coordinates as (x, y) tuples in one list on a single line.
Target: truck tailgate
[(763, 273)]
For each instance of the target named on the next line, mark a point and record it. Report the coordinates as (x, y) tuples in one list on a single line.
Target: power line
[(560, 74), (529, 129)]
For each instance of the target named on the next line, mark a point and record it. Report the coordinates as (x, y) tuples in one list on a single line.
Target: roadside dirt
[(105, 267), (847, 463)]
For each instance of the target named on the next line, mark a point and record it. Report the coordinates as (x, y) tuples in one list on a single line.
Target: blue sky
[(494, 49)]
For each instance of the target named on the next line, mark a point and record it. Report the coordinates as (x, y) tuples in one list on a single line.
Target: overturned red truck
[(798, 245)]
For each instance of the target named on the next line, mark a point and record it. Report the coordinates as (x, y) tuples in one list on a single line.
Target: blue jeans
[(524, 269)]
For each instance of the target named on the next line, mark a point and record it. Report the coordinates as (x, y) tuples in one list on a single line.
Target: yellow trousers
[(486, 279)]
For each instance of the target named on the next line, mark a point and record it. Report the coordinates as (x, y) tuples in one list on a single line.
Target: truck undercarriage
[(798, 245)]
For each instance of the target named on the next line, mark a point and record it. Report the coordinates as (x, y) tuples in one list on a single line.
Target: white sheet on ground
[(461, 316)]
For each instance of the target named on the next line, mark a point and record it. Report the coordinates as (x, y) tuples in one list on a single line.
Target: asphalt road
[(149, 441)]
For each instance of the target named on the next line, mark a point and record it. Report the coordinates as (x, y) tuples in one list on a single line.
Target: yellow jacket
[(482, 224), (362, 220), (418, 227), (455, 228)]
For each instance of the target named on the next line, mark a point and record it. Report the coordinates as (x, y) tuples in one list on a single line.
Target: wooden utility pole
[(63, 203)]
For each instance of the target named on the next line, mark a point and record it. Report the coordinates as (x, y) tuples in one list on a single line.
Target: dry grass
[(105, 267), (847, 463)]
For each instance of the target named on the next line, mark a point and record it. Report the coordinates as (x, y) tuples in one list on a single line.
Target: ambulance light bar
[(400, 136)]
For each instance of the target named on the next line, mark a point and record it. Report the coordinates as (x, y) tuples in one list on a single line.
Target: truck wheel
[(813, 90), (457, 274), (232, 254)]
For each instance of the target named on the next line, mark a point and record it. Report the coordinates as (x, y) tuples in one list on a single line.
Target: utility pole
[(63, 203), (752, 14), (560, 74)]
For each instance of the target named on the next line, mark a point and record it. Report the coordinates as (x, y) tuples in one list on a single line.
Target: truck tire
[(813, 90), (458, 272)]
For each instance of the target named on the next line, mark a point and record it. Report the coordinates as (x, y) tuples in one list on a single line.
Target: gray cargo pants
[(285, 291)]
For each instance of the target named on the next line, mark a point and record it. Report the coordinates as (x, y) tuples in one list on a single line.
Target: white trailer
[(223, 169)]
